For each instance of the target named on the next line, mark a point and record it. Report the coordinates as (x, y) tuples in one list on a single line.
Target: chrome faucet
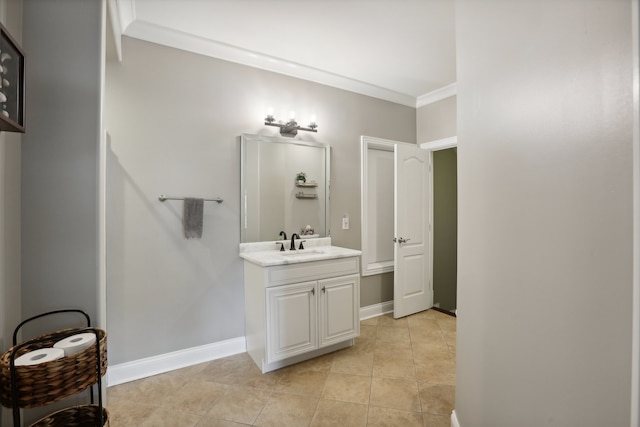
[(293, 241)]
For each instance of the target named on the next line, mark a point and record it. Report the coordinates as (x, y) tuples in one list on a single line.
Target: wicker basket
[(49, 382), (75, 416)]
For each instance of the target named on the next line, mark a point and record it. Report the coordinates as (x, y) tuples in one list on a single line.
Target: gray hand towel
[(192, 217)]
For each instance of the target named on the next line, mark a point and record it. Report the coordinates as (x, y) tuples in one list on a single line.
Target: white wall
[(11, 17), (437, 120), (10, 316), (174, 119), (545, 213), (62, 41)]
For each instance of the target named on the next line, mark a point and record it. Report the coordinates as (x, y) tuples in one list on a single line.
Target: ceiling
[(398, 50)]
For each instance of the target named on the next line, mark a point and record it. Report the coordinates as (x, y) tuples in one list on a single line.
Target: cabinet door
[(291, 320), (339, 315)]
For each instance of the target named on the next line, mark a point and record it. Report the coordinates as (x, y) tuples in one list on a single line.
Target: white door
[(412, 289)]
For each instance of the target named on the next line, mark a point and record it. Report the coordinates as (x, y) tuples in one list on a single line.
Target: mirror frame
[(253, 138)]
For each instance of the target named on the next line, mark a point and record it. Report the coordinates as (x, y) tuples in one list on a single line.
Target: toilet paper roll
[(39, 356), (76, 343)]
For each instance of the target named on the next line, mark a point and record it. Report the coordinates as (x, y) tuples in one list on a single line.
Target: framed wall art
[(11, 83)]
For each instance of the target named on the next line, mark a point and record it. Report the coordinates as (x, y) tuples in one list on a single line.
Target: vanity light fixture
[(291, 127)]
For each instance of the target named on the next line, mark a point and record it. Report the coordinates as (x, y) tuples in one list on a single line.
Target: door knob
[(402, 240)]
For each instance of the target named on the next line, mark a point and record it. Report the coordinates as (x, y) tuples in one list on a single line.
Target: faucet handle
[(281, 246), (301, 242)]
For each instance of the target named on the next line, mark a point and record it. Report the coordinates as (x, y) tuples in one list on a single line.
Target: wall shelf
[(302, 195), (307, 185)]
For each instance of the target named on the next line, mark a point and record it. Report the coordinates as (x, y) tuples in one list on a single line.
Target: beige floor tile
[(384, 367), (398, 372), (363, 345), (370, 322), (353, 363), (254, 377), (214, 422), (440, 315), (308, 382), (449, 337), (167, 417), (367, 331), (152, 389), (395, 393), (196, 396), (431, 420), (331, 413), (447, 324), (394, 335), (125, 414), (227, 370), (429, 323), (425, 334), (452, 351), (284, 410), (436, 371), (390, 350), (388, 320), (240, 404), (437, 398), (430, 314), (386, 417), (321, 363), (348, 388), (188, 372), (431, 350)]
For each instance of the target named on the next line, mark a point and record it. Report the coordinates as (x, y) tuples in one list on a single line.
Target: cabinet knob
[(313, 291), (324, 289)]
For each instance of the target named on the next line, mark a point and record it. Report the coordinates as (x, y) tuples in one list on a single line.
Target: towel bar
[(163, 198)]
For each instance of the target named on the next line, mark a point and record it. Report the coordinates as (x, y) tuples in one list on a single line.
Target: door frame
[(368, 142), (370, 267)]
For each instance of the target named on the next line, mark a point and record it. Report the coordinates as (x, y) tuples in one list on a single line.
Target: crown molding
[(126, 12), (180, 40), (437, 95)]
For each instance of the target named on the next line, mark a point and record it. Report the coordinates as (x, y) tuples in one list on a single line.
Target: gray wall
[(11, 18), (62, 41), (174, 119), (445, 228), (545, 213), (437, 120)]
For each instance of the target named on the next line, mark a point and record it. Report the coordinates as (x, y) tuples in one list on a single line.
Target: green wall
[(445, 228)]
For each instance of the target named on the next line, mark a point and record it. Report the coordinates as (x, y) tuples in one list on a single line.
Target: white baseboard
[(142, 368), (454, 419), (376, 310)]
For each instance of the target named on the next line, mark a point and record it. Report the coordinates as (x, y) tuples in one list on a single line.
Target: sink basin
[(301, 252)]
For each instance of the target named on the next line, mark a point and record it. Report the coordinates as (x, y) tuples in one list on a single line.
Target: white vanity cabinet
[(297, 311)]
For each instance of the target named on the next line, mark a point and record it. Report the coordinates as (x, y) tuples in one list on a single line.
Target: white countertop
[(266, 254)]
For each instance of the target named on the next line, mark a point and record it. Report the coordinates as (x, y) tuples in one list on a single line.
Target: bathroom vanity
[(299, 304)]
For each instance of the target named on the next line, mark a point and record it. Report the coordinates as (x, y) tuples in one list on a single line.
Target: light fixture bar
[(291, 127)]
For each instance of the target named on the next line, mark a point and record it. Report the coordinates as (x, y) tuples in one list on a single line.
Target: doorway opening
[(445, 228)]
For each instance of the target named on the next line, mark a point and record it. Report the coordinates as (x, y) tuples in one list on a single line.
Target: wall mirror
[(273, 198)]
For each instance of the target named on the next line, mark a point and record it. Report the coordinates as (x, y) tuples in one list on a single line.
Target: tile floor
[(399, 373)]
